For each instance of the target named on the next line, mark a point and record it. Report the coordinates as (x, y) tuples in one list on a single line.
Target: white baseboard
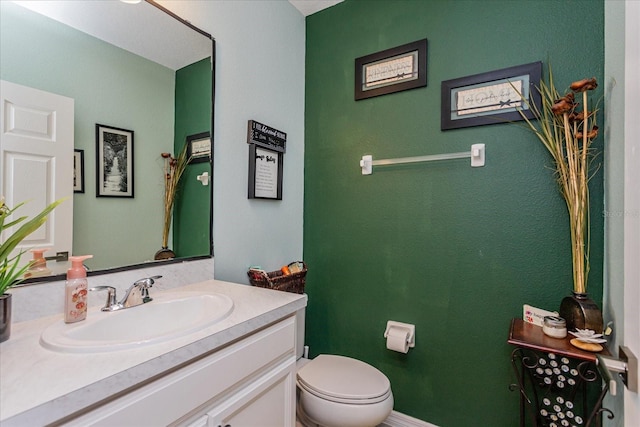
[(397, 419)]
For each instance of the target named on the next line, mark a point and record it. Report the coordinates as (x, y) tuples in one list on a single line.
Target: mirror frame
[(59, 277)]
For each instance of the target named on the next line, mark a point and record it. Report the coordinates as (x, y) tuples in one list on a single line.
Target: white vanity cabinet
[(250, 382)]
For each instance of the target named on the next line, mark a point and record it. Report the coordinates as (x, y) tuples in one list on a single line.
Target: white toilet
[(338, 391)]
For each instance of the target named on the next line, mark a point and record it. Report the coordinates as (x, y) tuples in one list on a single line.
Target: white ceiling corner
[(309, 7)]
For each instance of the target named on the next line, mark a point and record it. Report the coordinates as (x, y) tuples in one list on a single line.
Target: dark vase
[(581, 312), (5, 317), (164, 253)]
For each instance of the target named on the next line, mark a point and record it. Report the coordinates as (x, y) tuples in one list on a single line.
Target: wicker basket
[(277, 280)]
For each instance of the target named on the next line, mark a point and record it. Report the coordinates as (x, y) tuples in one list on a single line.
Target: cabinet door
[(268, 402), (188, 392), (203, 421)]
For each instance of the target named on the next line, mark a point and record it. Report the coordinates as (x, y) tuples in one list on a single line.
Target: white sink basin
[(168, 316)]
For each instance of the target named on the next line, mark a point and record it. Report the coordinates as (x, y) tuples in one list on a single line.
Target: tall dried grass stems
[(174, 167), (567, 134)]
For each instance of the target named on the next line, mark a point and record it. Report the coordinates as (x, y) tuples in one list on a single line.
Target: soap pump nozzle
[(77, 269)]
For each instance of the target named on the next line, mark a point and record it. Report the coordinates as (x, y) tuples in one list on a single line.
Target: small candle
[(555, 327)]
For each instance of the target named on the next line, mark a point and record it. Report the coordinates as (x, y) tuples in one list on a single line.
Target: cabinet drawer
[(178, 393)]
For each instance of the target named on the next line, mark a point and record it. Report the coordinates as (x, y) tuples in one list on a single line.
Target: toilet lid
[(344, 379)]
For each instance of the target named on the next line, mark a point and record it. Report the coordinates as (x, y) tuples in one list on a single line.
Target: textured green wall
[(452, 249), (192, 212)]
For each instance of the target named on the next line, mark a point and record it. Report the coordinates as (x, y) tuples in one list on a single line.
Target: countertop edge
[(101, 391)]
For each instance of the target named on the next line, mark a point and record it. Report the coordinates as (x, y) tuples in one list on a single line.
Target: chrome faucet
[(137, 294)]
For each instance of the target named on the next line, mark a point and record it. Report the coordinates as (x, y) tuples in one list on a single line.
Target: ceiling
[(113, 21), (308, 7), (163, 40)]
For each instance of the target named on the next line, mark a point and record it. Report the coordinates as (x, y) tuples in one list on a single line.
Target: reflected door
[(36, 162)]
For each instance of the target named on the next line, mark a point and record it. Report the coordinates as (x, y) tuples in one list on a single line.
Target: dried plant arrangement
[(174, 167), (567, 130)]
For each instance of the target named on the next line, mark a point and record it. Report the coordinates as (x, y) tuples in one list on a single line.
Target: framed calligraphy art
[(199, 148), (392, 70), (490, 98)]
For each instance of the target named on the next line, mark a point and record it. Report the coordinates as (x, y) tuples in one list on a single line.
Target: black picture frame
[(490, 98), (392, 70), (265, 180), (78, 171), (199, 147), (114, 148)]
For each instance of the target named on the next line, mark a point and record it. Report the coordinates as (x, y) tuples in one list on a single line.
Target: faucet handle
[(111, 296), (147, 281)]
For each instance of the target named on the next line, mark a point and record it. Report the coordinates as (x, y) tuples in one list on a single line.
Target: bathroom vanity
[(237, 371)]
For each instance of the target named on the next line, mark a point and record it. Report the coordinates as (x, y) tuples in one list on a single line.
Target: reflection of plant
[(173, 170), (567, 135), (10, 272)]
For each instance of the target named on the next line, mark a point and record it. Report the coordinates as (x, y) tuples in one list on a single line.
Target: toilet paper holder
[(411, 329)]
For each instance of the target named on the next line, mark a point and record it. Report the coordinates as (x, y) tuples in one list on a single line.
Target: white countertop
[(39, 386)]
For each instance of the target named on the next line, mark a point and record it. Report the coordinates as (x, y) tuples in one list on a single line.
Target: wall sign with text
[(265, 173), (266, 136), (266, 157)]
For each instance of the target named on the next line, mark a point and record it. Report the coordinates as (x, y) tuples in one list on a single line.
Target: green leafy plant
[(567, 134), (11, 273)]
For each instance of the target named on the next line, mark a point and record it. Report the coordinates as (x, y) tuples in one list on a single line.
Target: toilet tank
[(300, 317)]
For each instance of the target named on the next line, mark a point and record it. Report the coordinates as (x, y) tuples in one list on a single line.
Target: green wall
[(192, 218), (452, 249)]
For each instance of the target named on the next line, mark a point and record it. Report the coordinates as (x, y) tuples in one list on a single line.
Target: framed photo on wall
[(78, 171), (114, 162), (490, 98), (265, 173)]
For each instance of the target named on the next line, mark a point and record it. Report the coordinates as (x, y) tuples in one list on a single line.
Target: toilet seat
[(344, 380)]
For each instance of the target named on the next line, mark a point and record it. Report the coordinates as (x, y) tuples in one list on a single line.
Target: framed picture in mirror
[(78, 171), (114, 162), (199, 148)]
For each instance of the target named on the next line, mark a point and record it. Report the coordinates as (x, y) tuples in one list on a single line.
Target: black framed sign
[(266, 136), (78, 171), (114, 162), (199, 147), (392, 70), (490, 98), (265, 173)]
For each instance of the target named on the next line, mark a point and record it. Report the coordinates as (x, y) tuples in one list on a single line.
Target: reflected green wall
[(192, 219), (452, 249), (113, 87)]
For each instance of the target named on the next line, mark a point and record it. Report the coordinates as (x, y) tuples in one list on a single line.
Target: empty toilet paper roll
[(398, 339)]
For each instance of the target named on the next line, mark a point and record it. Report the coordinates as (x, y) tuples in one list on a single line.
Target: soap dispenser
[(75, 302), (38, 267)]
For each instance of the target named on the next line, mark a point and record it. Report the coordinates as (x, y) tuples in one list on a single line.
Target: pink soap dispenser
[(38, 267), (75, 300)]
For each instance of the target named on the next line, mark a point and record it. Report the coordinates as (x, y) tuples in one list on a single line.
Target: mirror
[(128, 66)]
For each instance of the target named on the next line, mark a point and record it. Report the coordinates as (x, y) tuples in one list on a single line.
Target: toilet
[(339, 391)]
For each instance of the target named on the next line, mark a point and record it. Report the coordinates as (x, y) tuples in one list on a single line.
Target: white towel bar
[(476, 154)]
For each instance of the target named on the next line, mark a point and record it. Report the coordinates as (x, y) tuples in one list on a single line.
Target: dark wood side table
[(559, 384)]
